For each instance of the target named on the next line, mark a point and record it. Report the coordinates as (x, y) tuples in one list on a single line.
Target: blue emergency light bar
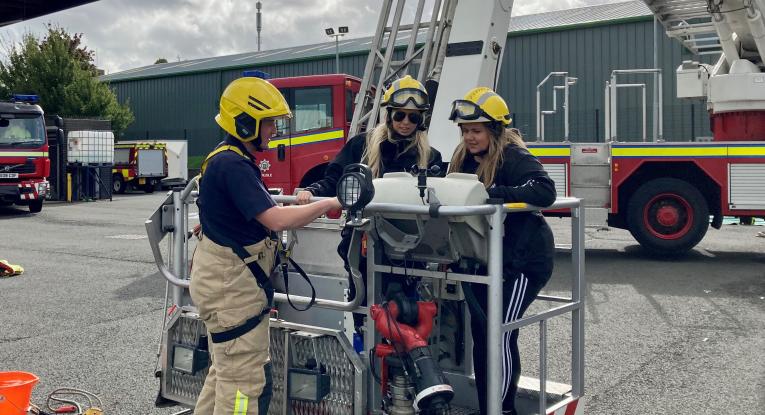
[(29, 98), (257, 74)]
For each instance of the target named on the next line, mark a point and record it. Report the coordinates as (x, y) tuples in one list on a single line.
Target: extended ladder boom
[(460, 48), (734, 27)]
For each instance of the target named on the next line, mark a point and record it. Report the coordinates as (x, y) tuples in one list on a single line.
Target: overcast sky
[(128, 34)]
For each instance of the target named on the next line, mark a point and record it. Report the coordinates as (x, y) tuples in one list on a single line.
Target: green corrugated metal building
[(178, 100)]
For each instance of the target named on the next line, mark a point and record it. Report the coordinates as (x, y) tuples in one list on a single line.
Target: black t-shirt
[(231, 195)]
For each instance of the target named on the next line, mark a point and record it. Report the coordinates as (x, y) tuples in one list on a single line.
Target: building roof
[(601, 14), (579, 16)]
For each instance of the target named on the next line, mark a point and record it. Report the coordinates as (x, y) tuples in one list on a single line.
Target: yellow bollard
[(69, 187)]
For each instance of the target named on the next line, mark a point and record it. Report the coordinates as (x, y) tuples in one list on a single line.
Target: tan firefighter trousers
[(227, 294)]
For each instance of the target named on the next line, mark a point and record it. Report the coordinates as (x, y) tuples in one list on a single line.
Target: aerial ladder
[(734, 87)]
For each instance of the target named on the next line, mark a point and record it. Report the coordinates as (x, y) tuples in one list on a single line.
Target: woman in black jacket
[(397, 145), (499, 157)]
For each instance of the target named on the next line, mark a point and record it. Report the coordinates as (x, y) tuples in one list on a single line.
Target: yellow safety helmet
[(408, 93), (481, 105), (245, 102)]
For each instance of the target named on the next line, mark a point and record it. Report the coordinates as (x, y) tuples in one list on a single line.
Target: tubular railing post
[(540, 134), (542, 137), (656, 113), (607, 113), (577, 296), (645, 116), (661, 108), (372, 337), (494, 317), (612, 101), (543, 367), (179, 244), (565, 110)]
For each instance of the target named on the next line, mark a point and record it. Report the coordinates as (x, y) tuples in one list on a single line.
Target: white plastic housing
[(441, 240), (743, 89), (692, 79)]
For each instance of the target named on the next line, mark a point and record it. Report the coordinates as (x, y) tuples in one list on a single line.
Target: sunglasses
[(414, 117)]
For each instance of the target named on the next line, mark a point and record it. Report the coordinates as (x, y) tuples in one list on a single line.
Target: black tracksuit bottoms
[(520, 289)]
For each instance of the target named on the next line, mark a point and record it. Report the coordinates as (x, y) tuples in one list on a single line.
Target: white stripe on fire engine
[(23, 154)]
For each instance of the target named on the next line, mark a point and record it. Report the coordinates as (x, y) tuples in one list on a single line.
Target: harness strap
[(239, 331), (251, 261), (219, 150), (261, 277)]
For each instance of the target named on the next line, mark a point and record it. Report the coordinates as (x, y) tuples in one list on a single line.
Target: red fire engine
[(140, 165), (322, 108), (665, 192), (24, 162)]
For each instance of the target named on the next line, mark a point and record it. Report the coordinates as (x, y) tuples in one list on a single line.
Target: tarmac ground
[(663, 336)]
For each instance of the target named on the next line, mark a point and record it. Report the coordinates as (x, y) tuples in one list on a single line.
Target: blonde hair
[(495, 154), (372, 156)]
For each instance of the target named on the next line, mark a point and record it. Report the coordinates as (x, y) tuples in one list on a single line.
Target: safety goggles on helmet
[(414, 117), (404, 97), (467, 111)]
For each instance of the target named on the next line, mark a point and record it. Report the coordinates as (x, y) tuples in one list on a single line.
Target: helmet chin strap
[(254, 145), (258, 143), (395, 137)]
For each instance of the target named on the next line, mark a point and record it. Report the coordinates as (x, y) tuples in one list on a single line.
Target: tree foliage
[(61, 71), (160, 60)]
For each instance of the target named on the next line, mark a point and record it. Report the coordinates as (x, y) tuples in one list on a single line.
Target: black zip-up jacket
[(528, 240), (391, 159)]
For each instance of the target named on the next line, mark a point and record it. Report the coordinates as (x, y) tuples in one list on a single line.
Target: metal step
[(689, 22)]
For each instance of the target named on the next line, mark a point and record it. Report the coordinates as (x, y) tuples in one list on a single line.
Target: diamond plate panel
[(185, 388), (179, 385), (331, 354)]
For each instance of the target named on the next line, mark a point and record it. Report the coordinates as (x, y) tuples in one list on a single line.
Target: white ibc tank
[(423, 238), (90, 147)]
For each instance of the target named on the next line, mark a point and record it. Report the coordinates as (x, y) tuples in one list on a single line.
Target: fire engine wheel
[(149, 186), (118, 184), (668, 216), (35, 206)]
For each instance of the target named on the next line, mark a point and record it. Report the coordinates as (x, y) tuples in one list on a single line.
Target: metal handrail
[(175, 206), (493, 279)]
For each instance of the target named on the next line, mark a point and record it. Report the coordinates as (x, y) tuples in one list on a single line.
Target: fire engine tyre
[(35, 206), (668, 216), (118, 184), (149, 186)]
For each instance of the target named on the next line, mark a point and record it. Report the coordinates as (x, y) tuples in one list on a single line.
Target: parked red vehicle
[(24, 162), (322, 109)]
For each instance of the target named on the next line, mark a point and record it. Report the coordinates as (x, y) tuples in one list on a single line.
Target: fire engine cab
[(24, 162), (322, 108)]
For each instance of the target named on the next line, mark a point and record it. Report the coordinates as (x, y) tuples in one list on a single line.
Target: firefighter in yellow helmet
[(498, 155), (394, 146), (236, 252)]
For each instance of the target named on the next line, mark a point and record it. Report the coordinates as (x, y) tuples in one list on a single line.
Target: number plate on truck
[(9, 175)]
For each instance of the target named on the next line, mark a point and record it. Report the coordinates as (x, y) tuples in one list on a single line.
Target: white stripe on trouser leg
[(515, 304), (506, 364)]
